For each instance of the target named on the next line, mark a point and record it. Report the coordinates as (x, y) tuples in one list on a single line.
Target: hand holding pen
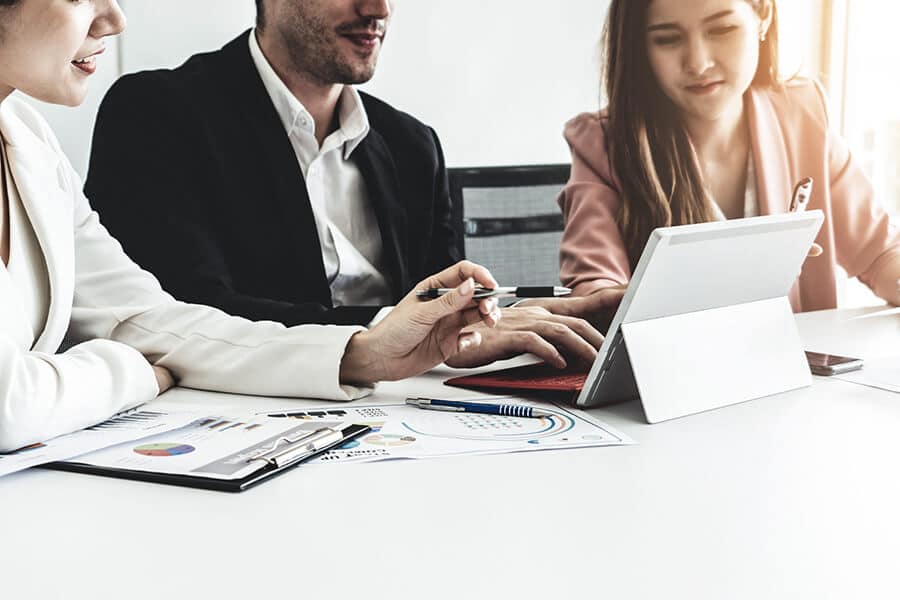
[(800, 197), (799, 202)]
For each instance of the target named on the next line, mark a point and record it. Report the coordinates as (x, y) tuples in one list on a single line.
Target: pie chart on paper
[(164, 449)]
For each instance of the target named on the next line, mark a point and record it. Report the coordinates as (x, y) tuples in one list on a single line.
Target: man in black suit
[(256, 179)]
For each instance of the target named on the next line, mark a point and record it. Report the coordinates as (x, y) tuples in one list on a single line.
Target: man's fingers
[(582, 328), (471, 316), (524, 341), (566, 340), (490, 311)]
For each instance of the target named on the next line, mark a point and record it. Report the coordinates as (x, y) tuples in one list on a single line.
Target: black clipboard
[(265, 472)]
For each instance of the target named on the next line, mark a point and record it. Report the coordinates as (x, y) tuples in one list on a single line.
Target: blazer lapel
[(773, 182), (270, 150), (34, 166), (377, 166)]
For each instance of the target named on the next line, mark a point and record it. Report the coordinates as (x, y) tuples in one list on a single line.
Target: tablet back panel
[(711, 265), (692, 268)]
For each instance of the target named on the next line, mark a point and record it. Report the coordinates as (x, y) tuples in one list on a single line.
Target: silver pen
[(521, 291)]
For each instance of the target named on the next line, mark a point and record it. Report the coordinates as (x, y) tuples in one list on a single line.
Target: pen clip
[(288, 449), (800, 197)]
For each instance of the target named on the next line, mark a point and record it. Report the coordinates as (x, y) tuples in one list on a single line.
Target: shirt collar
[(352, 117)]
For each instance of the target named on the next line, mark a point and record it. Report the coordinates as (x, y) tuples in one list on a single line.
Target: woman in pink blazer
[(700, 127)]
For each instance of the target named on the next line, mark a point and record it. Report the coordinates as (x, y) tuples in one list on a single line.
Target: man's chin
[(358, 75)]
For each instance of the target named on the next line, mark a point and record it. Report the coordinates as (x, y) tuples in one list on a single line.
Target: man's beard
[(313, 48)]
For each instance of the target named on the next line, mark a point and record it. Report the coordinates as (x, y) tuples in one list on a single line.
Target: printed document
[(403, 431), (211, 447), (131, 425)]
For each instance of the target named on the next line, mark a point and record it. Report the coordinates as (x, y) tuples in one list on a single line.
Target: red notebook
[(537, 378)]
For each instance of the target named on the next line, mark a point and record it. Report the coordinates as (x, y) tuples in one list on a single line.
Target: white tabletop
[(791, 496)]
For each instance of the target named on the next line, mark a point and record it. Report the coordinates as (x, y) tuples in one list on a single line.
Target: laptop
[(683, 269)]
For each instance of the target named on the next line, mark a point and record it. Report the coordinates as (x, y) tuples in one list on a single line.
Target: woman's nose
[(698, 58)]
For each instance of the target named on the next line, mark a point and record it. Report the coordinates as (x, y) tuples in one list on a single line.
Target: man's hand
[(598, 308), (556, 339)]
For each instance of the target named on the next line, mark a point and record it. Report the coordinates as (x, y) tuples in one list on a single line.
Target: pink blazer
[(790, 139)]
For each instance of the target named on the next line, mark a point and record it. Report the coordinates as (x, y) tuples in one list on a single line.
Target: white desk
[(792, 496)]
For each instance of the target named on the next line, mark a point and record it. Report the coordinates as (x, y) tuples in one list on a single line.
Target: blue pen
[(508, 410)]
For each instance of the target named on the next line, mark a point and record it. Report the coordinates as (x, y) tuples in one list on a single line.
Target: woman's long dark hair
[(649, 147)]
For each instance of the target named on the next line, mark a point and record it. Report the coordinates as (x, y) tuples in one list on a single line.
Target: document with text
[(403, 431), (213, 447), (131, 425)]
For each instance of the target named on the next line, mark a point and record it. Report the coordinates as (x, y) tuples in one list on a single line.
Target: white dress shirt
[(345, 220)]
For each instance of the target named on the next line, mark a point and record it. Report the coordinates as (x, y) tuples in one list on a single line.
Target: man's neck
[(320, 99)]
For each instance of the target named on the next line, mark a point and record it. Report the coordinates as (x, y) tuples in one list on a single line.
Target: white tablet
[(692, 268)]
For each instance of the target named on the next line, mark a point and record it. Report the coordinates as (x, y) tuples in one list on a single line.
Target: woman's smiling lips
[(88, 64)]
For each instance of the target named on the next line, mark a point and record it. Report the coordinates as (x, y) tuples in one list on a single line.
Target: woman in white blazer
[(62, 277)]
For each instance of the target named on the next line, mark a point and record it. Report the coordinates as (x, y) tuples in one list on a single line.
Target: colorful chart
[(477, 426), (164, 449), (388, 439)]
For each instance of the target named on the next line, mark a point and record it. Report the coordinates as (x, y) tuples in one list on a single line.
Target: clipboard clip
[(288, 449)]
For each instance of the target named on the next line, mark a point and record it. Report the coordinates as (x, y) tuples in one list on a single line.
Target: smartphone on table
[(831, 364)]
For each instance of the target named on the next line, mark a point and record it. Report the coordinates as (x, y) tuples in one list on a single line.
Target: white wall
[(497, 79), (163, 33)]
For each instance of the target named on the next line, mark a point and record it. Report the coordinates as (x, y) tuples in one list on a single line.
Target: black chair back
[(507, 219)]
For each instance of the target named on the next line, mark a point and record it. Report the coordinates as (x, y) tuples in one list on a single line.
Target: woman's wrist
[(361, 363), (887, 286)]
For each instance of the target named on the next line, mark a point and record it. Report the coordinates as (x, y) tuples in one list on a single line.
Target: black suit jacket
[(192, 170)]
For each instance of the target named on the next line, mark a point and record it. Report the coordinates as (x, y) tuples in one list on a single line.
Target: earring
[(762, 36)]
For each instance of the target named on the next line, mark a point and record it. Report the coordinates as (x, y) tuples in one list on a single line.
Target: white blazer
[(120, 320)]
